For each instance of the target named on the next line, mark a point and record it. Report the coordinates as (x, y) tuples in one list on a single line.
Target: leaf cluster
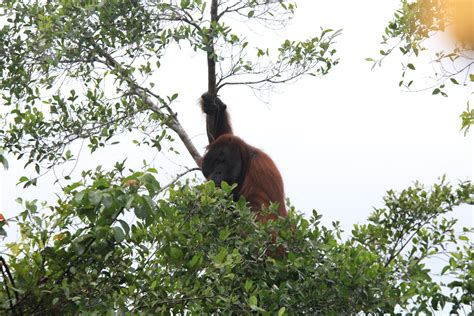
[(86, 70), (115, 243), (411, 31)]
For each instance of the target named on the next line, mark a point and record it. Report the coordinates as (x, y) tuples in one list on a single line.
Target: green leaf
[(185, 3), (281, 311), (197, 258), (142, 211), (107, 200), (248, 285), (22, 179), (94, 197), (125, 226), (119, 235), (150, 182), (176, 253), (445, 268), (253, 301), (224, 234), (79, 196), (72, 186), (4, 161)]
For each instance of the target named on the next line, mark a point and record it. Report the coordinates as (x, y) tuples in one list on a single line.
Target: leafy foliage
[(411, 32), (121, 242), (75, 70), (115, 243), (3, 160)]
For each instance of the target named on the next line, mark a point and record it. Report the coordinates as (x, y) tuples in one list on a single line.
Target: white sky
[(340, 141)]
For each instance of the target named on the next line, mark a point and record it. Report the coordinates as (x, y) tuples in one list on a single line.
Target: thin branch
[(230, 9), (416, 228), (265, 80), (179, 176), (181, 18), (144, 93), (6, 274), (7, 289)]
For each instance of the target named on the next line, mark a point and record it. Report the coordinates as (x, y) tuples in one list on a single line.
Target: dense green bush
[(122, 244)]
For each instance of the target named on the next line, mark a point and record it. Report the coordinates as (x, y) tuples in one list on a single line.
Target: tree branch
[(417, 226), (144, 93), (6, 274), (179, 176)]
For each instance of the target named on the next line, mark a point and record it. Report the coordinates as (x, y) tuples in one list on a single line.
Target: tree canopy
[(120, 44), (197, 251)]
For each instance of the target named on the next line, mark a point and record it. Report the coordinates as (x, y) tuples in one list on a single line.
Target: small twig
[(7, 290), (177, 178), (416, 228)]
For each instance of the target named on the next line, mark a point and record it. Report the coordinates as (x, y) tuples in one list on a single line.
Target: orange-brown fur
[(262, 183)]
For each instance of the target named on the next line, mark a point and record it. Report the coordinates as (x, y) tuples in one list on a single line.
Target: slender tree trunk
[(211, 62), (211, 69)]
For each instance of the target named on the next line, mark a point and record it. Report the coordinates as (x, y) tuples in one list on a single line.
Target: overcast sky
[(340, 141)]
